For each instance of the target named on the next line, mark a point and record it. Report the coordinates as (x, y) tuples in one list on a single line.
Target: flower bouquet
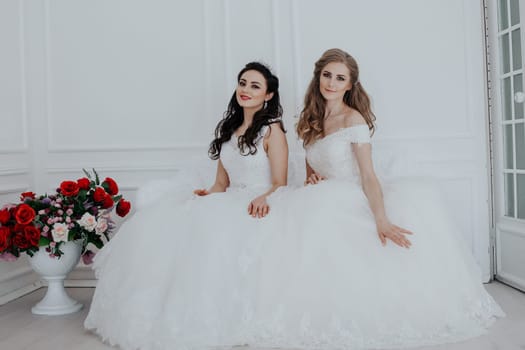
[(78, 211)]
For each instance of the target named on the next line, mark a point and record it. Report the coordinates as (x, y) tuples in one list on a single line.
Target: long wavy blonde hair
[(310, 125)]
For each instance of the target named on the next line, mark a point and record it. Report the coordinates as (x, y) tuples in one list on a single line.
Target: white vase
[(54, 271)]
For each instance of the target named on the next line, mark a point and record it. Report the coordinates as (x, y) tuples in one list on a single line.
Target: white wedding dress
[(198, 273)]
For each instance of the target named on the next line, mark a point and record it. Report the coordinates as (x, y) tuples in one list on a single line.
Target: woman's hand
[(394, 233), (314, 179), (201, 192), (259, 208)]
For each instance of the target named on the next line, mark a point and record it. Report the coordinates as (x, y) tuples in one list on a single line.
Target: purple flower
[(87, 257), (46, 200)]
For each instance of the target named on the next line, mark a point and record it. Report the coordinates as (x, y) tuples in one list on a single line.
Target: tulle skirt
[(194, 273)]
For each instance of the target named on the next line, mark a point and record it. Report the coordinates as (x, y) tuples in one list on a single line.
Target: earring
[(265, 104)]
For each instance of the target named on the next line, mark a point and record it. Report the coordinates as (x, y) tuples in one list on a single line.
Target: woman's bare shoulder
[(353, 118)]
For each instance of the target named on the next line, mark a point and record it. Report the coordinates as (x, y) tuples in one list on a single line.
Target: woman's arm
[(372, 189), (276, 148), (312, 177), (222, 181)]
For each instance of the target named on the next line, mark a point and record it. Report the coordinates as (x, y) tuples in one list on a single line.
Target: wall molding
[(14, 171), (115, 169), (227, 44), (294, 23), (13, 278), (17, 188), (13, 274), (275, 35), (127, 148), (23, 76)]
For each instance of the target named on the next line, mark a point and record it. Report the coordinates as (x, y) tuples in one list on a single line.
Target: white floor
[(19, 329)]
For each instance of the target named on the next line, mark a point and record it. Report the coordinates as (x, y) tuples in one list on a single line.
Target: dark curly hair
[(234, 116)]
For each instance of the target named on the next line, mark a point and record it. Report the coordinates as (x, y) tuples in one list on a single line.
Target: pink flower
[(60, 232), (68, 219), (41, 212), (50, 221), (52, 244), (88, 222), (7, 257), (69, 212), (102, 226), (60, 212), (45, 228)]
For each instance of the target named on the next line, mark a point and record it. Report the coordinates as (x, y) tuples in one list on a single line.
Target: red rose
[(21, 242), (4, 238), (123, 207), (83, 183), (24, 214), (107, 202), (4, 216), (18, 228), (110, 186), (32, 235), (99, 194), (69, 188), (25, 195)]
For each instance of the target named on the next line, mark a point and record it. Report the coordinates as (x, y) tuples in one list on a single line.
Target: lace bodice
[(246, 170), (332, 156)]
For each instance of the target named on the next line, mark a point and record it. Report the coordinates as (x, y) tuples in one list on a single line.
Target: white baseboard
[(23, 281), (20, 292)]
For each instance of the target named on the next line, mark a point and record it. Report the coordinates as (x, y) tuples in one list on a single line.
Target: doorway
[(506, 83)]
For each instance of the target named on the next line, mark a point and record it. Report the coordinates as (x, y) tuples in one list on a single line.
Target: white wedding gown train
[(198, 273)]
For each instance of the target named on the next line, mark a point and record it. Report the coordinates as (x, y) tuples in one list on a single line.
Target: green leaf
[(117, 198), (97, 179), (82, 195), (44, 241), (88, 175), (98, 243)]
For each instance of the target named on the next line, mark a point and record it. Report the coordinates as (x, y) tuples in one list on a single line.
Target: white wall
[(134, 88)]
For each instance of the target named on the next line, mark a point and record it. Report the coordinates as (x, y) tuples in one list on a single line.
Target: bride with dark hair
[(178, 275)]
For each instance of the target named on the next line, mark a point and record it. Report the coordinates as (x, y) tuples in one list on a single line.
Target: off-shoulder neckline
[(344, 128)]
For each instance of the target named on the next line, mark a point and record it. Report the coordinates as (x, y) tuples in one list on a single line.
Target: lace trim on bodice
[(251, 170), (332, 156)]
